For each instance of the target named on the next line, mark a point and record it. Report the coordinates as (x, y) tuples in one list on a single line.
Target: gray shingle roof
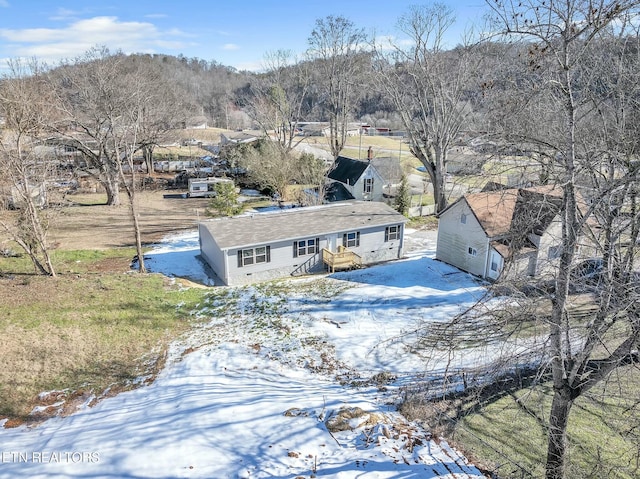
[(262, 228)]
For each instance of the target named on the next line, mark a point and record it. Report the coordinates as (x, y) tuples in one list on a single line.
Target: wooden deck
[(343, 259)]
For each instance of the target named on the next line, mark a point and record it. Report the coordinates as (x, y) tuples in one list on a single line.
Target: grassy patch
[(71, 261), (88, 199), (423, 222), (422, 200), (509, 434), (84, 331)]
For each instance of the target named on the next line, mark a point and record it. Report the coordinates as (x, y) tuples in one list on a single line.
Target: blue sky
[(231, 32)]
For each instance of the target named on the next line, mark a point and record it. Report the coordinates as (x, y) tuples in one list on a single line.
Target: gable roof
[(515, 210), (336, 191), (493, 210), (240, 136), (347, 170), (388, 168), (295, 223)]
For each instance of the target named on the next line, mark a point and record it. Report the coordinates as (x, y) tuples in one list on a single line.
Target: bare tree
[(336, 47), (91, 93), (277, 98), (26, 106), (86, 91), (127, 122), (270, 168), (429, 86), (164, 110), (587, 145), (276, 101)]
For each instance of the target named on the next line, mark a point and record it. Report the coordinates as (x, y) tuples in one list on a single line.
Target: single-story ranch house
[(262, 246)]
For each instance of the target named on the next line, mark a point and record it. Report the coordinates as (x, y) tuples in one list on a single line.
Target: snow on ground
[(370, 324), (256, 395)]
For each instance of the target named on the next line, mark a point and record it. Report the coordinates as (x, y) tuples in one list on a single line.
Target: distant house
[(359, 178), (483, 232), (373, 130), (237, 137), (263, 246), (196, 123), (309, 128)]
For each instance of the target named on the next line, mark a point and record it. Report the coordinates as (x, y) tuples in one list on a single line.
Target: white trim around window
[(306, 247), (392, 233), (351, 240), (249, 256)]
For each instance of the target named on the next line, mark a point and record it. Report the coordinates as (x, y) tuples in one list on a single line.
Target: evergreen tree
[(225, 201), (403, 197)]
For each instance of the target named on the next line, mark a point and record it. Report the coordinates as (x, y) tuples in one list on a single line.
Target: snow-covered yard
[(264, 387)]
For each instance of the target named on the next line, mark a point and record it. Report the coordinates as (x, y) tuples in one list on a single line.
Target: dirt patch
[(87, 225)]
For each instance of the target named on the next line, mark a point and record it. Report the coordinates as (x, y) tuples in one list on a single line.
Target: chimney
[(369, 154)]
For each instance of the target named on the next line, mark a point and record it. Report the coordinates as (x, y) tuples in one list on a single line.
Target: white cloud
[(75, 38), (4, 3), (255, 67), (230, 46), (64, 14)]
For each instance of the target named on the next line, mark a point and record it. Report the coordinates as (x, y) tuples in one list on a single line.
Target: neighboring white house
[(359, 178), (263, 246), (481, 232)]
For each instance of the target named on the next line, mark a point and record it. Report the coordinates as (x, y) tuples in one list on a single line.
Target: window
[(305, 247), (463, 219), (472, 251), (368, 185), (554, 252), (392, 233), (494, 265), (351, 240), (251, 256)]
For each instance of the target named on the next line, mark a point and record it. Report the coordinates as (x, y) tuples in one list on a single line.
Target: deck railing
[(342, 259)]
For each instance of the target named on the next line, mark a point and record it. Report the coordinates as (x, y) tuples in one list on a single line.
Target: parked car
[(588, 269), (586, 275)]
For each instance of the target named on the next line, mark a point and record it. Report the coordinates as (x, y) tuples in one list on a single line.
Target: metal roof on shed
[(290, 224)]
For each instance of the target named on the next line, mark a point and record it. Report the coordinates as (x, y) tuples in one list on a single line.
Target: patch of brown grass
[(82, 335), (88, 224)]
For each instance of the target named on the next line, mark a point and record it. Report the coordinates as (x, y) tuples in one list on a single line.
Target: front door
[(332, 243)]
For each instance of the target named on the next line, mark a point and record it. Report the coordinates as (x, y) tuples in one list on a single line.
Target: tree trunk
[(136, 226), (147, 152), (112, 188), (439, 197), (556, 449)]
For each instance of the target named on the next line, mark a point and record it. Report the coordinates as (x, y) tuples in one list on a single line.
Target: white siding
[(455, 238), (211, 253), (357, 190), (552, 238), (282, 263), (373, 248)]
